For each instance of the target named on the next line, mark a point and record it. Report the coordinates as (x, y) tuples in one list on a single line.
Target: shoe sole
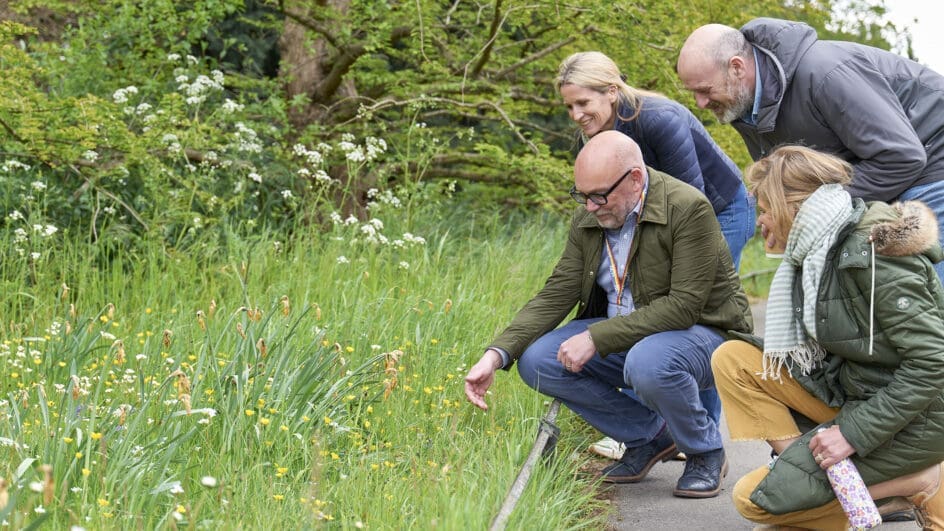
[(664, 455), (899, 516), (704, 493), (608, 453)]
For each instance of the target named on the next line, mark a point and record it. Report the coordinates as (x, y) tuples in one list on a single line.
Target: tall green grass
[(322, 391), (324, 377)]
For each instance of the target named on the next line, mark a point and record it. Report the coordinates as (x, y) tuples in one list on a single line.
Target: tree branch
[(479, 105), (541, 53), (10, 131), (314, 25), (521, 123), (87, 183), (342, 64), (485, 54)]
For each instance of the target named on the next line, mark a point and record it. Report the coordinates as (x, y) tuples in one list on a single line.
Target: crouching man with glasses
[(649, 272)]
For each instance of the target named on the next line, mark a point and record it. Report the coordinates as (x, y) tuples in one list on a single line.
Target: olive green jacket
[(891, 399), (680, 274)]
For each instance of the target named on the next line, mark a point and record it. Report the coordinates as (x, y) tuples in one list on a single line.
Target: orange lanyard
[(619, 281)]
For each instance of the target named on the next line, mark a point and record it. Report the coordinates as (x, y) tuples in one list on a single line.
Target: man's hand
[(829, 447), (480, 378), (576, 352)]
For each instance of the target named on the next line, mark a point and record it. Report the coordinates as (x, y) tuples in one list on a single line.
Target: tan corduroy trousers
[(759, 409)]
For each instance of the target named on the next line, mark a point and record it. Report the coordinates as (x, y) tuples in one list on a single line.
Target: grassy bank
[(277, 381), (280, 382)]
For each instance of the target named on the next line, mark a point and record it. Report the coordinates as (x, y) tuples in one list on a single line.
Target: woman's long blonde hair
[(789, 175), (596, 71)]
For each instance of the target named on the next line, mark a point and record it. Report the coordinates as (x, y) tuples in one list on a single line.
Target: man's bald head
[(712, 44), (611, 166), (716, 63), (605, 151)]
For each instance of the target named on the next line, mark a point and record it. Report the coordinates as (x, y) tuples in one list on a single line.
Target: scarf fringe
[(790, 329), (805, 358)]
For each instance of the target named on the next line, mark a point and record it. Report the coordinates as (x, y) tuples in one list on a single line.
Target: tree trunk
[(306, 61)]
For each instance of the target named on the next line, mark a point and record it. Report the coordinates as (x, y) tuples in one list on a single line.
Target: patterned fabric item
[(853, 495), (789, 334)]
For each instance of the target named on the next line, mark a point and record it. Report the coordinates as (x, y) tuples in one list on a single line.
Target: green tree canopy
[(164, 109)]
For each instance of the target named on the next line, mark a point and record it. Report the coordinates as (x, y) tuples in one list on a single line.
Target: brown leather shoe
[(929, 506), (897, 509), (637, 461)]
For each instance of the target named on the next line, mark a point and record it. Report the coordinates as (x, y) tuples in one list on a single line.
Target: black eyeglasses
[(597, 198)]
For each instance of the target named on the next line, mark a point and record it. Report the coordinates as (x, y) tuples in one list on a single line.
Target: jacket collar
[(773, 86), (781, 45)]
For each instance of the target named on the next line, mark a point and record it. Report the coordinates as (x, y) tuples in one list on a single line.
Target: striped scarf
[(790, 336)]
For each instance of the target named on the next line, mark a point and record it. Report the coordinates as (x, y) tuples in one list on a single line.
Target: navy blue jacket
[(673, 141)]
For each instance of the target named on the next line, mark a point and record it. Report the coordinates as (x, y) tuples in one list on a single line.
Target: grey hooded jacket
[(882, 113)]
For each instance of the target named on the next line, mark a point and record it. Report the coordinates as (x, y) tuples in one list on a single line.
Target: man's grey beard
[(743, 103)]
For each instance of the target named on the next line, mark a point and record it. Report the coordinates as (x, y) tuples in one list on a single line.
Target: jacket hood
[(913, 231), (783, 40)]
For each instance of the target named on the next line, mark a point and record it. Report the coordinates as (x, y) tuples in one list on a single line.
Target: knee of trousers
[(649, 381), (728, 358), (742, 491), (534, 367)]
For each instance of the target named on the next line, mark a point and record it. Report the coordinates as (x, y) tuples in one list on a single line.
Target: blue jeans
[(665, 370), (737, 221), (931, 194)]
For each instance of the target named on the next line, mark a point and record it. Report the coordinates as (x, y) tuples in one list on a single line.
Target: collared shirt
[(620, 241), (752, 119)]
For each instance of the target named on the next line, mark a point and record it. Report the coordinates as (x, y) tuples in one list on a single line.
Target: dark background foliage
[(462, 93)]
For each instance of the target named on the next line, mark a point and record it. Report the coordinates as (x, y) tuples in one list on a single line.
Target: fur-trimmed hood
[(913, 232)]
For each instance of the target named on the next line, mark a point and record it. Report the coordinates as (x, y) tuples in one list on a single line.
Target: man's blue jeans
[(738, 221), (665, 371), (931, 194)]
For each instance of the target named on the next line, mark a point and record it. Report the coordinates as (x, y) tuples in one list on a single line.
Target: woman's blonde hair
[(789, 175), (596, 71)]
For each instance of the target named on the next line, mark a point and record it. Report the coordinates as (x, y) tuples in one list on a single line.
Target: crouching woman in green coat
[(854, 341)]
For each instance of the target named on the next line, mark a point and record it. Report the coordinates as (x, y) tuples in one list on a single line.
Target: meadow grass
[(281, 381), (278, 381)]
